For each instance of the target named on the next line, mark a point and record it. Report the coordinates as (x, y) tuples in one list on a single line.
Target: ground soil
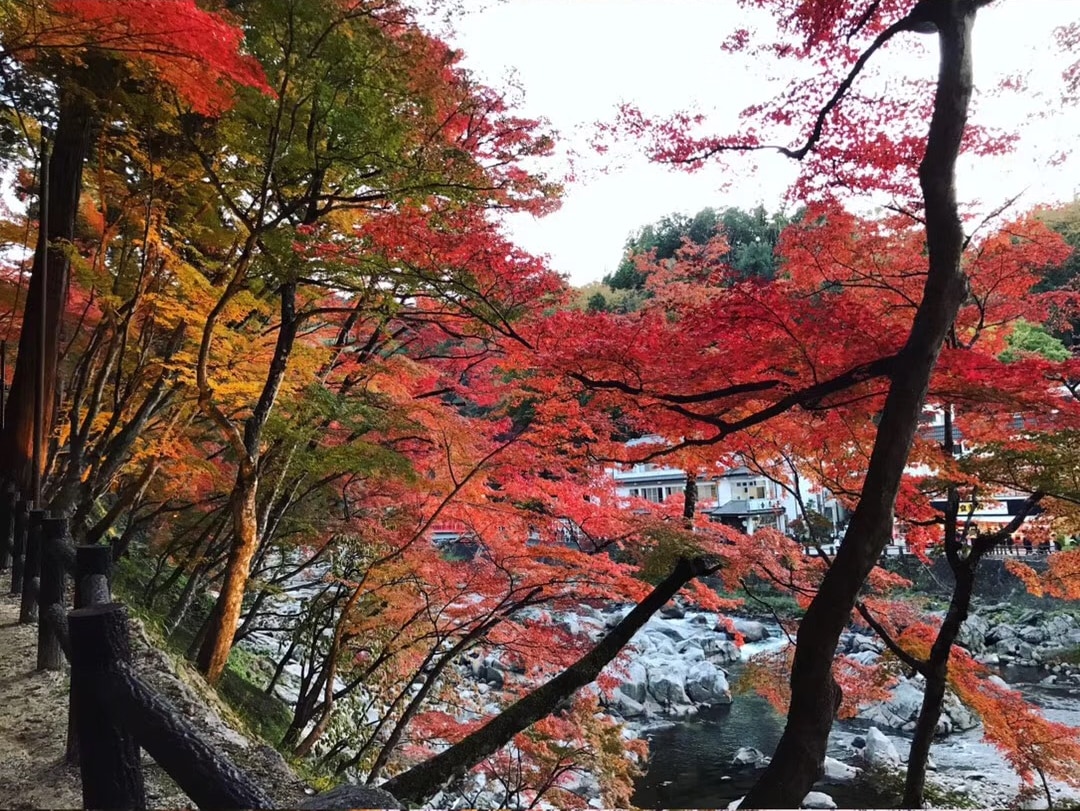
[(33, 727)]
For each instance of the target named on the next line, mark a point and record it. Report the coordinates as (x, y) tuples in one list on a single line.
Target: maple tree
[(906, 145), (83, 50), (455, 141)]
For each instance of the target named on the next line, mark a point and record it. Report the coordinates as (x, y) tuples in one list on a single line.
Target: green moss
[(265, 715), (241, 685)]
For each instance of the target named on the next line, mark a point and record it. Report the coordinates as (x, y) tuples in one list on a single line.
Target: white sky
[(576, 60)]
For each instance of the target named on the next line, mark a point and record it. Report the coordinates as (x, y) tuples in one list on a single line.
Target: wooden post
[(93, 572), (49, 654), (18, 545), (92, 567), (7, 524), (109, 754), (32, 568)]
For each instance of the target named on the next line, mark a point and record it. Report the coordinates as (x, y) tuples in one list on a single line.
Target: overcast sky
[(576, 60)]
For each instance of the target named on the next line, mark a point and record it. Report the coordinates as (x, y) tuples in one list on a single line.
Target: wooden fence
[(113, 712)]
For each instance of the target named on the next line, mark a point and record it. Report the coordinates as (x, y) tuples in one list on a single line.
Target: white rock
[(747, 756), (667, 682), (734, 804), (707, 684), (839, 772), (628, 707), (879, 749), (723, 650), (751, 630), (818, 799), (635, 682), (660, 644)]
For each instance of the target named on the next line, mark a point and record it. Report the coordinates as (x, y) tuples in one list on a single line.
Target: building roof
[(738, 506)]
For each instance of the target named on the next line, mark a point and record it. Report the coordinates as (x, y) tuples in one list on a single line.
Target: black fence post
[(32, 568), (108, 752), (18, 546), (7, 522), (53, 534), (93, 574), (92, 567)]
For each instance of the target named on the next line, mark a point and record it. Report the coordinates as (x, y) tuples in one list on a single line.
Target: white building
[(738, 496)]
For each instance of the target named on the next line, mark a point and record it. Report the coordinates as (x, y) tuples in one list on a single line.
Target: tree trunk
[(800, 755), (424, 779), (965, 570), (183, 602), (214, 652), (69, 152)]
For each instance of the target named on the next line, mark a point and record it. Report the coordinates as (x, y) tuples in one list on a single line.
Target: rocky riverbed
[(674, 688), (711, 760)]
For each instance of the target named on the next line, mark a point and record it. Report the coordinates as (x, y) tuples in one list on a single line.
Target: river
[(690, 764)]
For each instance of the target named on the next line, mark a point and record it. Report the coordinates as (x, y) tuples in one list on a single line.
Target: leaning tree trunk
[(69, 150), (424, 779), (815, 696), (214, 651)]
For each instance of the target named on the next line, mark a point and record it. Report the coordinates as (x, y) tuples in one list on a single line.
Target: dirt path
[(33, 723), (33, 727)]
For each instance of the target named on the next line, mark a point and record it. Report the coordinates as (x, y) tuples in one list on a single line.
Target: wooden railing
[(113, 711)]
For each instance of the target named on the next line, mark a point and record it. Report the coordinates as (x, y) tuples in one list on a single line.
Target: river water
[(690, 762)]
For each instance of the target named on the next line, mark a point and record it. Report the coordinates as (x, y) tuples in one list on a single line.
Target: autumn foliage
[(301, 367)]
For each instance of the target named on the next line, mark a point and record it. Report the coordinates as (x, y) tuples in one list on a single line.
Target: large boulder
[(961, 717), (673, 611), (653, 642), (691, 651), (865, 657), (722, 650), (901, 711), (671, 631), (667, 683), (751, 630), (707, 684), (836, 771), (1000, 633), (879, 750), (628, 707), (635, 682), (973, 633), (1033, 634), (860, 643)]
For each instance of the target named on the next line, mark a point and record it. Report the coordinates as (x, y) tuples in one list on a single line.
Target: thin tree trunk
[(280, 667), (424, 779), (936, 670), (214, 653), (936, 674), (815, 696), (187, 595)]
